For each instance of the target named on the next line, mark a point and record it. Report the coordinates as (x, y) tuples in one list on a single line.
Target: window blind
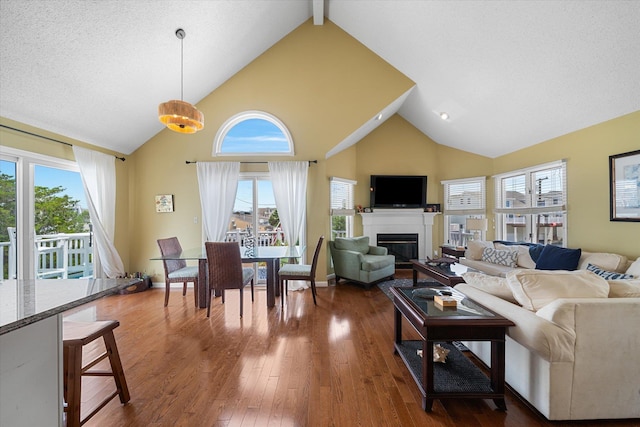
[(341, 203), (464, 196), (540, 189)]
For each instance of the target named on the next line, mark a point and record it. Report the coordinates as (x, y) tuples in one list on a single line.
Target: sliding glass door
[(8, 202), (45, 228)]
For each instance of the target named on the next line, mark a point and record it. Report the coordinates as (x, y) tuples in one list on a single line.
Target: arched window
[(253, 132)]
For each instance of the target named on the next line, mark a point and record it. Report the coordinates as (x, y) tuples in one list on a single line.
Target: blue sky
[(71, 181), (51, 177), (245, 195), (255, 136)]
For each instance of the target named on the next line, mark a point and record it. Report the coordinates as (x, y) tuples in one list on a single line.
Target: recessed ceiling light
[(379, 116), (444, 116)]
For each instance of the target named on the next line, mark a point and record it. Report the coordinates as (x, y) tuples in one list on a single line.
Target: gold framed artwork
[(164, 203)]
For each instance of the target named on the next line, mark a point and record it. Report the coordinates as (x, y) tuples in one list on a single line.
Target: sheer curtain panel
[(98, 172), (289, 181), (218, 183)]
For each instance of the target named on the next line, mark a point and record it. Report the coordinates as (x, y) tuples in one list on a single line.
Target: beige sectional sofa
[(575, 350)]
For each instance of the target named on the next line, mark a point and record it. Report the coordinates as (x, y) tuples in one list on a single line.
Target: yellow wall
[(398, 148), (319, 81), (587, 153)]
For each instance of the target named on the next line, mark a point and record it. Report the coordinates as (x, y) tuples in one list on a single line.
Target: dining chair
[(176, 270), (300, 272), (226, 270)]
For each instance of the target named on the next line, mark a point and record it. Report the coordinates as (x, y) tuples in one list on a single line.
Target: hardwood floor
[(325, 365)]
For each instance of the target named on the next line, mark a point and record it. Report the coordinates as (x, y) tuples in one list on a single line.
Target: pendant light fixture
[(180, 116)]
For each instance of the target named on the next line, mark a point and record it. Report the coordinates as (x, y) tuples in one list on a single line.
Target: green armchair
[(355, 260)]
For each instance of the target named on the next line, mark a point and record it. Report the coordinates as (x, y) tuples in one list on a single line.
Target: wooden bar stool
[(75, 336)]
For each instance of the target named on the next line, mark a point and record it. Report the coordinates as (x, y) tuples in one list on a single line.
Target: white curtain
[(98, 172), (218, 183), (289, 181)]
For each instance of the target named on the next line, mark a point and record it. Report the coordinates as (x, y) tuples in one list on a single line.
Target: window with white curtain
[(341, 206), (463, 199), (46, 231), (531, 204)]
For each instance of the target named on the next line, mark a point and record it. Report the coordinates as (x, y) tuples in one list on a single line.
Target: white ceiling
[(510, 74)]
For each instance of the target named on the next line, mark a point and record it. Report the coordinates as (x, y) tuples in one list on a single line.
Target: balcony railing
[(64, 256), (58, 256)]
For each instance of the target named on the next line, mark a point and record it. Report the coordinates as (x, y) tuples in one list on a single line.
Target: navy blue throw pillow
[(558, 258), (534, 251)]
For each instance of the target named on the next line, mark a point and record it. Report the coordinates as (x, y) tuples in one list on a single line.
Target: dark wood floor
[(306, 365)]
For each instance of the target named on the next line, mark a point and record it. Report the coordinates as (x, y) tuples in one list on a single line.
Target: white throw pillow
[(475, 247), (629, 288), (634, 268), (534, 289), (493, 285), (606, 261)]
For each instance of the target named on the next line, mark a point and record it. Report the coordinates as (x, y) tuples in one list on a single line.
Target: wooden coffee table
[(458, 377), (448, 275)]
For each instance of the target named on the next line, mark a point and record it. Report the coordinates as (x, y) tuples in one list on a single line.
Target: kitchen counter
[(23, 302), (31, 373)]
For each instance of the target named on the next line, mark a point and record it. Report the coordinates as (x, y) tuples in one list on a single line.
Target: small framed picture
[(164, 203), (434, 207), (624, 190)]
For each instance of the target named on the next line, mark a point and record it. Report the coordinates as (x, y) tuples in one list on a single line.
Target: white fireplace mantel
[(385, 221)]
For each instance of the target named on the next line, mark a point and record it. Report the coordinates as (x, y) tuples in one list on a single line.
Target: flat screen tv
[(398, 191)]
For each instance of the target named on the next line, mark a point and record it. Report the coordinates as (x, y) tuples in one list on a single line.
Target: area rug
[(386, 288)]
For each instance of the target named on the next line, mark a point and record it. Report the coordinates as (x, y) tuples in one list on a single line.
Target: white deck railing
[(58, 256)]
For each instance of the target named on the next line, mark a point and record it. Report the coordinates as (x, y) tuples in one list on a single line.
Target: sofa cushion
[(524, 256), (486, 267), (475, 247), (608, 275), (607, 261), (634, 268), (629, 288), (534, 289), (376, 262), (358, 244), (558, 258), (493, 285), (502, 257)]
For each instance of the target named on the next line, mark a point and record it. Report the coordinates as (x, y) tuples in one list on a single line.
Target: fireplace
[(403, 246), (401, 221)]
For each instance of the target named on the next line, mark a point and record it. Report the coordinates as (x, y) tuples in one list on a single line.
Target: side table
[(458, 378), (456, 252)]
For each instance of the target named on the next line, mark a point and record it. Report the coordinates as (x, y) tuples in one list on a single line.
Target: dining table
[(270, 255)]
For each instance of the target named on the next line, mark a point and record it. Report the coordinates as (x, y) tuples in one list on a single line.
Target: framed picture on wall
[(164, 203), (624, 189)]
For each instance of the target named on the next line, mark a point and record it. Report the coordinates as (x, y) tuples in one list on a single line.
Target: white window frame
[(466, 209), (247, 115), (346, 207), (26, 162), (530, 211)]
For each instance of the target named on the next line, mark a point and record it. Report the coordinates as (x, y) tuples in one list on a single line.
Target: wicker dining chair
[(226, 270)]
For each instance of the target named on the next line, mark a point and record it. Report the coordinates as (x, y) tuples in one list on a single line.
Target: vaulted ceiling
[(508, 74)]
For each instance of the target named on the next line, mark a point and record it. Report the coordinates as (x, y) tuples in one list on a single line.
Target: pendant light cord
[(182, 69)]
